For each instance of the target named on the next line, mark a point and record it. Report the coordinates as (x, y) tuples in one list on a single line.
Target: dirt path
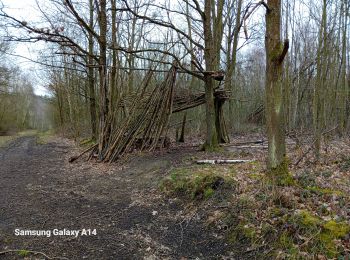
[(41, 191)]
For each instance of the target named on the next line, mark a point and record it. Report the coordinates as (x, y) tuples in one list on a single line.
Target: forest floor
[(162, 205)]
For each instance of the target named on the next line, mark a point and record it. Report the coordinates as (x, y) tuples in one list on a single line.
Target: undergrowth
[(299, 216), (200, 182)]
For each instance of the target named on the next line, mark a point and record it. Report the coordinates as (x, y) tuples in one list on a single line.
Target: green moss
[(209, 192), (211, 148), (280, 175), (323, 191), (242, 233), (198, 183), (321, 234), (331, 231), (277, 51), (286, 242), (214, 146), (337, 230), (23, 253), (308, 220), (249, 232), (277, 212)]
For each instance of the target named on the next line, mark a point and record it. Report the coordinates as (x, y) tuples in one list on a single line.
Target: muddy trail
[(133, 220)]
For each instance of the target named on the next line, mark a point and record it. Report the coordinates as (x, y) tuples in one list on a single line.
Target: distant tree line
[(20, 108)]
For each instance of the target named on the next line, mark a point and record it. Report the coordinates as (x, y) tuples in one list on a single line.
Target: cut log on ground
[(248, 146), (222, 161)]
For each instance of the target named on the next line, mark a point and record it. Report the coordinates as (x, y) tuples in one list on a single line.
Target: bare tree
[(275, 54)]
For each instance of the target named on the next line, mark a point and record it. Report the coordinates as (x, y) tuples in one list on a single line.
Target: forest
[(237, 109)]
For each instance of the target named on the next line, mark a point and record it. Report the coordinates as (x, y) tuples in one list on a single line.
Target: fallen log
[(249, 142), (222, 161), (248, 146)]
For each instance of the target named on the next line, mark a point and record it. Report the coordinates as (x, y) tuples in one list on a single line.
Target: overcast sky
[(26, 10)]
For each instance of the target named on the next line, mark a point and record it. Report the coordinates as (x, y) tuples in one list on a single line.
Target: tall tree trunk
[(113, 83), (218, 29), (91, 76), (209, 56), (103, 122), (275, 53)]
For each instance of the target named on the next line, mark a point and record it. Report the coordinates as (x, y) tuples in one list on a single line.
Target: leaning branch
[(81, 20), (248, 14), (74, 158), (284, 51)]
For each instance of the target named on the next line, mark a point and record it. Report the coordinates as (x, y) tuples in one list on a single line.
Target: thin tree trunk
[(318, 90), (232, 62), (345, 87)]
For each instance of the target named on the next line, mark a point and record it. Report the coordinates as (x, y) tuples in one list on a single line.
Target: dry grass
[(6, 139)]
